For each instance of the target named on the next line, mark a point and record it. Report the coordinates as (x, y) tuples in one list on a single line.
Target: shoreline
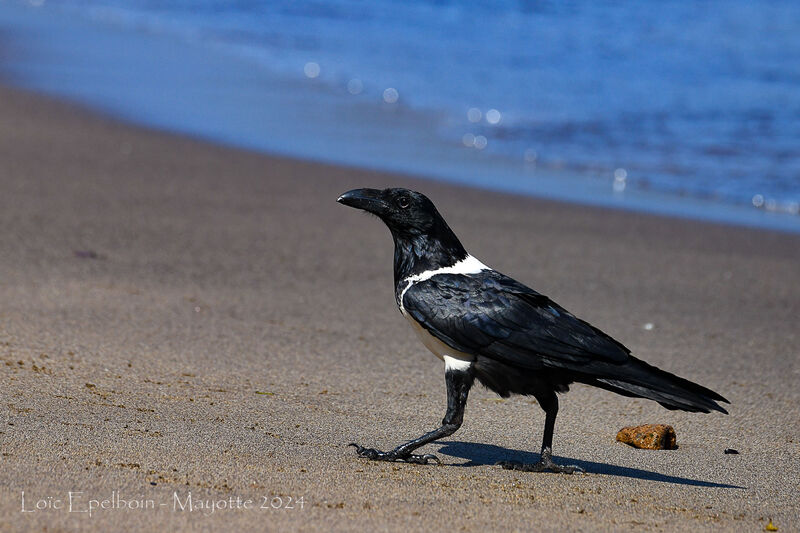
[(675, 208), (312, 122), (180, 316)]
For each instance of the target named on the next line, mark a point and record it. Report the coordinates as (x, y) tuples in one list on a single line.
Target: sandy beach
[(185, 324)]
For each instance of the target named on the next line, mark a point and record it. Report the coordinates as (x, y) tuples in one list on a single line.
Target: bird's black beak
[(367, 199)]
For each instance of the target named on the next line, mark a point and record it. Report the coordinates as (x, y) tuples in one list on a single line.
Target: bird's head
[(423, 240), (407, 213)]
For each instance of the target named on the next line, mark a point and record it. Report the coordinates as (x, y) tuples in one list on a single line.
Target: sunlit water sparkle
[(683, 98)]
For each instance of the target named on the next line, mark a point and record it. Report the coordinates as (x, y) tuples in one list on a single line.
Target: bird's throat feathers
[(415, 254)]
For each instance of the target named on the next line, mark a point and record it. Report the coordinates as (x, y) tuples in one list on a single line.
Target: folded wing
[(495, 316)]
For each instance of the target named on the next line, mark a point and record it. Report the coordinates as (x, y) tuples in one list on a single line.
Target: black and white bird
[(488, 326)]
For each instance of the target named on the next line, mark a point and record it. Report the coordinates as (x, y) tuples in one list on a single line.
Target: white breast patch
[(451, 357), (468, 265)]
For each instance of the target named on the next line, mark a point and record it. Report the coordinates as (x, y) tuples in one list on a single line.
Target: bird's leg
[(458, 385), (550, 405)]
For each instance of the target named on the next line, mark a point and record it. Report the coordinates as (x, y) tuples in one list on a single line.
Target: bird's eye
[(403, 202)]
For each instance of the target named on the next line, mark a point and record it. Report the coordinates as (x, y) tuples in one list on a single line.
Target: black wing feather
[(495, 316)]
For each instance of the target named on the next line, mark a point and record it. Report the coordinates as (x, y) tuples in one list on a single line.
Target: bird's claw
[(420, 459), (541, 466), (377, 455)]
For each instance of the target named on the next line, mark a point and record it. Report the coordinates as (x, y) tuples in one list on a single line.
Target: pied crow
[(488, 326)]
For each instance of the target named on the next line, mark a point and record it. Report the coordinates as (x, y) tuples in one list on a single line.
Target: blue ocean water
[(680, 103)]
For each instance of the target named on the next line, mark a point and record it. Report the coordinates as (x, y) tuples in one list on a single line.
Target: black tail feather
[(639, 379)]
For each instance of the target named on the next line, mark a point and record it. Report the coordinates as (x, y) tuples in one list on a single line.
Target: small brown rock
[(649, 437)]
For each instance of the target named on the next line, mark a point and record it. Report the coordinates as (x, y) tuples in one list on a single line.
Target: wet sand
[(180, 318)]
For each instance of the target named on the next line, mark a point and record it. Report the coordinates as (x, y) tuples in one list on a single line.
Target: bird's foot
[(545, 464), (394, 455)]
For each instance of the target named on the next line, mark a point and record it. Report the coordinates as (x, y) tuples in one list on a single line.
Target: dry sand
[(182, 318)]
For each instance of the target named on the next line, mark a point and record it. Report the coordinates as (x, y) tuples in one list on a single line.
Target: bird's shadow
[(487, 454)]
